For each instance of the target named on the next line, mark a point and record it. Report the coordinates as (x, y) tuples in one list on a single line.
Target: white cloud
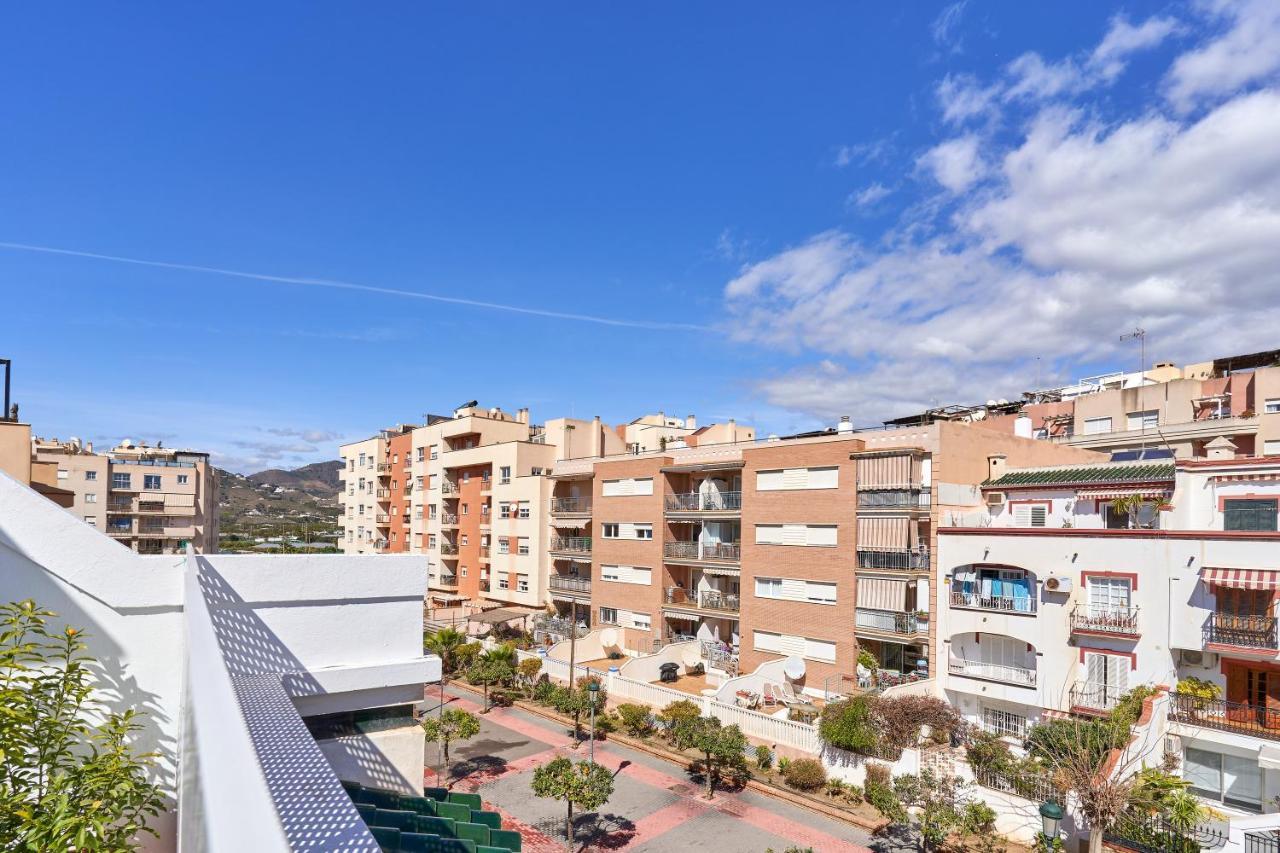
[(869, 195), (1247, 51), (315, 436), (945, 27), (862, 153), (962, 97), (1108, 59), (956, 164)]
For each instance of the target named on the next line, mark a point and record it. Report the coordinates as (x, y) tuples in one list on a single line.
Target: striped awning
[(1245, 478), (889, 471), (1113, 492), (684, 617), (882, 594), (719, 571), (885, 533), (1241, 578)]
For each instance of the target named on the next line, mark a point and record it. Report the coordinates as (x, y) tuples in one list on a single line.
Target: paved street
[(655, 807)]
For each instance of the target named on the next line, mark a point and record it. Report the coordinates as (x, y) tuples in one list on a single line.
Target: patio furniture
[(789, 697), (669, 672), (746, 699), (806, 712), (771, 695)]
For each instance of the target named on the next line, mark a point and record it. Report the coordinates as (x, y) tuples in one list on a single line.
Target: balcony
[(570, 545), (484, 586), (1016, 675), (382, 519), (448, 549), (998, 603), (895, 499), (448, 519), (570, 583), (1092, 697), (449, 488), (450, 581), (484, 552), (903, 560), (730, 552), (383, 494), (704, 502), (1111, 622), (706, 600), (571, 506), (384, 467), (1222, 715), (889, 621), (486, 484), (1245, 632)]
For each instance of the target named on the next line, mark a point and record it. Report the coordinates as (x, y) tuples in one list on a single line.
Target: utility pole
[(1140, 334)]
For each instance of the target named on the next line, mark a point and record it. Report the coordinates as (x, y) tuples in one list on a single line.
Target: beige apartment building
[(153, 500)]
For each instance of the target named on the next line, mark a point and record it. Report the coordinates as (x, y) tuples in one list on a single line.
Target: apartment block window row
[(625, 618), (1143, 420), (627, 486), (820, 535), (793, 646), (627, 574), (791, 589), (1271, 406), (626, 530), (787, 479), (1097, 426)]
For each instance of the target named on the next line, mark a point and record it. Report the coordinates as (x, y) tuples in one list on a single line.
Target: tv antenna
[(1140, 334)]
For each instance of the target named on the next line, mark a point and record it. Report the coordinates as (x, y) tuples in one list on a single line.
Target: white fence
[(775, 730), (653, 695)]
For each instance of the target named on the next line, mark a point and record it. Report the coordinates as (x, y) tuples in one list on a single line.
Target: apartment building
[(358, 496), (1061, 601), (154, 500), (1182, 409)]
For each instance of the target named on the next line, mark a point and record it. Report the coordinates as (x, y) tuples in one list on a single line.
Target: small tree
[(529, 669), (584, 784), (721, 746), (1130, 505), (849, 724), (450, 725), (937, 802), (677, 712), (64, 784), (495, 666), (444, 644)]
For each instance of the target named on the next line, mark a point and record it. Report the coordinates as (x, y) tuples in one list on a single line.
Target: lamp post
[(1050, 820), (593, 688)]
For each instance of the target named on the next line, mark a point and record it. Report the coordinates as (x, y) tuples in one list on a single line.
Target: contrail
[(366, 288)]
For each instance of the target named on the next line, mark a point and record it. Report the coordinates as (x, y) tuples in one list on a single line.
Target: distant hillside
[(303, 501)]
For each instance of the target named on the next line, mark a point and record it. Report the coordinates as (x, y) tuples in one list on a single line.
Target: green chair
[(405, 821), (366, 811), (427, 825), (455, 811), (477, 832), (508, 839), (418, 842), (472, 801), (421, 805), (493, 820), (437, 793), (387, 837), (381, 799), (457, 845)]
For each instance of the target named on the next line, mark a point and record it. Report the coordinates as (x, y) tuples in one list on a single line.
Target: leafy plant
[(444, 645), (937, 804), (677, 712), (65, 784), (867, 661), (764, 757), (636, 719), (783, 764), (528, 671), (543, 691), (451, 725), (806, 774), (495, 666), (1202, 692), (465, 655), (584, 784), (721, 746), (849, 724)]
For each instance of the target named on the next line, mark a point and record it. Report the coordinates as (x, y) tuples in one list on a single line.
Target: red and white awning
[(1245, 478), (1241, 578), (1112, 492)]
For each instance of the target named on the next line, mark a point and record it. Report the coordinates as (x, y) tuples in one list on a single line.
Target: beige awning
[(721, 572), (895, 471), (173, 499), (882, 594), (885, 533)]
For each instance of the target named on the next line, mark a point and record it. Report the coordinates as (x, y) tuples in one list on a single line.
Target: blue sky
[(782, 215)]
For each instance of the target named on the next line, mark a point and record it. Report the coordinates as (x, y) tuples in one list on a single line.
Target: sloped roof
[(1082, 475)]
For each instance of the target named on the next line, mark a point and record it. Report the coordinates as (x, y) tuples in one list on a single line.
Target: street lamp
[(1050, 820), (593, 688)]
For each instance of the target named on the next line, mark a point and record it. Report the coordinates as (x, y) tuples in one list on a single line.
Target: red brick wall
[(622, 552), (402, 444), (469, 527)]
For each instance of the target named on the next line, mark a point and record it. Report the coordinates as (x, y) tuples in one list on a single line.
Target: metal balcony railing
[(449, 488), (1105, 620), (571, 544), (382, 518), (704, 502), (726, 551), (447, 549), (383, 494), (715, 600), (889, 621), (719, 657), (571, 506), (998, 603), (993, 671), (448, 580), (905, 559), (1256, 720), (384, 467), (570, 583), (1093, 696), (1250, 632), (894, 499), (449, 518)]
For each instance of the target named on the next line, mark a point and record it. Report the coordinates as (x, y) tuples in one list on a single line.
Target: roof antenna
[(1141, 335)]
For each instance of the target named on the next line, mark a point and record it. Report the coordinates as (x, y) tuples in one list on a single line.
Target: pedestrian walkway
[(655, 807)]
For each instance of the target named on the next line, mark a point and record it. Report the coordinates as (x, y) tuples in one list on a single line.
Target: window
[(422, 453), (464, 539), (998, 721), (644, 531), (504, 582), (62, 473), (1271, 406), (627, 574), (641, 621), (504, 510), (522, 546), (465, 509), (790, 589), (431, 540), (504, 475), (1095, 426), (609, 531), (484, 509), (1148, 419), (783, 479), (91, 519), (1108, 595), (820, 593), (1228, 779), (524, 509), (431, 510), (536, 472), (120, 481), (182, 479), (822, 535), (1106, 677), (1271, 448), (786, 644), (1248, 514), (769, 587), (522, 583), (464, 571), (91, 498), (1147, 516), (626, 486), (1030, 514), (91, 475), (504, 546), (608, 615)]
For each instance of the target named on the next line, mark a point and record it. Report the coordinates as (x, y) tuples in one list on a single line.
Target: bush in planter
[(836, 788), (543, 691), (636, 719), (764, 757), (853, 793), (849, 724), (503, 698), (783, 764), (605, 724), (678, 712), (806, 774)]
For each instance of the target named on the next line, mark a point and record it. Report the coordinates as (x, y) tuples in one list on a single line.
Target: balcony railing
[(448, 518), (715, 600), (558, 628), (384, 467), (1110, 620), (448, 488), (1220, 714), (569, 583), (719, 657), (571, 506), (383, 494), (1249, 632), (726, 551), (447, 549), (894, 499), (708, 502), (1018, 675), (448, 580), (998, 603), (484, 552), (1092, 696), (889, 621), (905, 559), (571, 544), (382, 518)]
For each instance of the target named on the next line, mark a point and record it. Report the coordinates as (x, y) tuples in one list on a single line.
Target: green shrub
[(988, 752), (806, 774), (836, 788), (1202, 692), (605, 723), (885, 800), (543, 691), (465, 655), (877, 774), (978, 818), (764, 757), (562, 699), (853, 793), (678, 712), (866, 660), (783, 764), (849, 724), (636, 719)]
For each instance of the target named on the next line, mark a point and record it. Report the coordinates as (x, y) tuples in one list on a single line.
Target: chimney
[(522, 415), (1022, 426), (88, 447), (691, 422), (597, 440), (845, 425), (1220, 448), (996, 466)]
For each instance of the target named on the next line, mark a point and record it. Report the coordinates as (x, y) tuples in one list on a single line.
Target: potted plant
[(1199, 691)]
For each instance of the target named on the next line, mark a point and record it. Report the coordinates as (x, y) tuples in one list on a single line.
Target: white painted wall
[(403, 749)]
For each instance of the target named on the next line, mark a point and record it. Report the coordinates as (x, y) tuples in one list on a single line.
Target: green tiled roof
[(1083, 474)]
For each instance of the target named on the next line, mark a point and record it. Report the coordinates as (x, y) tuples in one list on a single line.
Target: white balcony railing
[(1019, 675)]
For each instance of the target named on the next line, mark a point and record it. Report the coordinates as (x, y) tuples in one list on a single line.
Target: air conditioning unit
[(1193, 657), (995, 498), (1057, 583)]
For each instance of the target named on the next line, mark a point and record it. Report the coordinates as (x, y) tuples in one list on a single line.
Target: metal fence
[(1154, 834)]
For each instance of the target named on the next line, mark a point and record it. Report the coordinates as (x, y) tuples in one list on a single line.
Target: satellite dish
[(609, 638), (793, 668), (690, 657)]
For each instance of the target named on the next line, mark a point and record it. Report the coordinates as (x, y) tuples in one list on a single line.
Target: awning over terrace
[(1241, 578), (1113, 492)]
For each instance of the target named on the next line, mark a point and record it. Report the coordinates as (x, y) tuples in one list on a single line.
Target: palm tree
[(1130, 505), (443, 643), (493, 667)]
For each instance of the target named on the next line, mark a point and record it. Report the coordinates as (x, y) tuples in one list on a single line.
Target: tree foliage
[(444, 645), (495, 666), (65, 784), (849, 724), (721, 746), (584, 784), (451, 724)]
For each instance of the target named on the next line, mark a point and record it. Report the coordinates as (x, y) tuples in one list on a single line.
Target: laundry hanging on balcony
[(1268, 579)]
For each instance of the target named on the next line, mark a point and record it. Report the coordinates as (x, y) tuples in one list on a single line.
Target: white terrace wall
[(647, 668)]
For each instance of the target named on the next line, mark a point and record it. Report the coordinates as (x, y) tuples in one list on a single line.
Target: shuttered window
[(1030, 514), (820, 650), (1248, 514), (783, 479), (766, 641), (786, 644), (627, 486), (796, 534), (793, 589), (627, 574)]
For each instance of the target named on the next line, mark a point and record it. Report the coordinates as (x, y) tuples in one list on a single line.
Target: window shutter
[(768, 534), (820, 650), (766, 641), (643, 486), (795, 478), (768, 481), (820, 534), (793, 590), (794, 534), (791, 645), (824, 478)]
